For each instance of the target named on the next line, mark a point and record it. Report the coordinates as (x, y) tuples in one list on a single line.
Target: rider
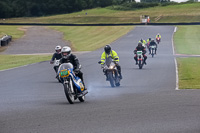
[(153, 43), (143, 42), (57, 55), (140, 48), (115, 57), (148, 42), (67, 56), (158, 36)]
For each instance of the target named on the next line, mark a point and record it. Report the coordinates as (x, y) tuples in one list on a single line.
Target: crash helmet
[(58, 49), (149, 39), (66, 52), (139, 44), (107, 49)]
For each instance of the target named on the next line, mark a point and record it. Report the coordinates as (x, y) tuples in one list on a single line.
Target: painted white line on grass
[(176, 65)]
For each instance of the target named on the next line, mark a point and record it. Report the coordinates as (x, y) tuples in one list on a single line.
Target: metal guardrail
[(5, 40)]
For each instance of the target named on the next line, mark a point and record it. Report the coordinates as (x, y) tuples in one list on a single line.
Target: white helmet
[(66, 52), (58, 49)]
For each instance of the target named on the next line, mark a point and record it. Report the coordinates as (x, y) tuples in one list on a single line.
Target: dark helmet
[(139, 44), (149, 39), (141, 40), (107, 49)]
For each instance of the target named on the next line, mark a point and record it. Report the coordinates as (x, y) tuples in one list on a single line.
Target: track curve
[(31, 100)]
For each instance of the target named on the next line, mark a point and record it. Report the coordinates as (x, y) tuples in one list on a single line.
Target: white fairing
[(56, 62)]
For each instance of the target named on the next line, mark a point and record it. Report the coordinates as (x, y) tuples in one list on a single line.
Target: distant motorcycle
[(158, 40), (73, 86), (111, 72), (152, 50), (56, 64), (140, 59)]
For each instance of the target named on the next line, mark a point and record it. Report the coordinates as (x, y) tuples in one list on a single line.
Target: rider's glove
[(76, 70), (102, 65), (51, 62), (116, 62)]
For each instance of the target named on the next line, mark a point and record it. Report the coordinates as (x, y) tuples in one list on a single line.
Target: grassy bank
[(189, 73), (187, 40), (171, 13), (11, 61), (89, 38), (15, 31), (81, 38)]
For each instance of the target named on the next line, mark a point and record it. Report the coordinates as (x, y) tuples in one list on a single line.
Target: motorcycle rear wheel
[(140, 64)]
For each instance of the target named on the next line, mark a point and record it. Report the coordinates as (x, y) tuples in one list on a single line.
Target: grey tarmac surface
[(32, 101), (37, 39)]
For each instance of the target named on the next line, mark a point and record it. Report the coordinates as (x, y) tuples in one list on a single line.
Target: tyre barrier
[(5, 40)]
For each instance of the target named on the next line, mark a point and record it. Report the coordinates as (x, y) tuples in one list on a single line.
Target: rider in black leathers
[(152, 43), (67, 56), (140, 48), (57, 55)]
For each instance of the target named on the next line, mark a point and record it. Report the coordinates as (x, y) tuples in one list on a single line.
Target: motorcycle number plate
[(64, 73)]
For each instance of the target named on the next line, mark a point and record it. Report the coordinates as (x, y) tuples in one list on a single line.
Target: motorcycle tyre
[(81, 99), (140, 64), (111, 79), (152, 53), (69, 98)]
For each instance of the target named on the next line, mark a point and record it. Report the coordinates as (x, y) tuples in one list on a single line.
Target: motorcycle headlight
[(111, 67)]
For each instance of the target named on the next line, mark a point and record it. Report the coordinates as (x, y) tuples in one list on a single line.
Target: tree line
[(29, 8)]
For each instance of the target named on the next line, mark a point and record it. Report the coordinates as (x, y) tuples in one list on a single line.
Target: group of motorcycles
[(140, 57), (73, 86)]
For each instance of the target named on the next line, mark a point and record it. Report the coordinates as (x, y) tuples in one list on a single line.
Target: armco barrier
[(5, 40)]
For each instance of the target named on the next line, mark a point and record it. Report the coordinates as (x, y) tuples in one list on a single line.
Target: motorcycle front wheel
[(140, 64), (111, 79), (68, 93)]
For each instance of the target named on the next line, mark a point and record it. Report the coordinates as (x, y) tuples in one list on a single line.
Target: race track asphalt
[(32, 101)]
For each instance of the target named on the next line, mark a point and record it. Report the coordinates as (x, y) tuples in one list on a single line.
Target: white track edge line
[(176, 65)]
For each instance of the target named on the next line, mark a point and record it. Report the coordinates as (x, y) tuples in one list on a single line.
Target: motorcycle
[(140, 59), (73, 86), (111, 72), (158, 40), (56, 64), (152, 49)]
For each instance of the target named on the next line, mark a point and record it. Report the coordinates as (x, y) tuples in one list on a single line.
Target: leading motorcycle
[(111, 72), (73, 86), (140, 59)]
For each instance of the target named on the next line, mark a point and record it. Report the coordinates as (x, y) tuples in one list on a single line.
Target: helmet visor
[(58, 51)]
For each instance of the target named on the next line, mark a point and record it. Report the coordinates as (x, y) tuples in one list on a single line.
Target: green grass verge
[(14, 31), (11, 61), (89, 38), (189, 73), (169, 14), (187, 40), (81, 38)]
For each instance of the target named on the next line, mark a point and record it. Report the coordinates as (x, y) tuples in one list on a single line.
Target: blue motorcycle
[(73, 86)]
